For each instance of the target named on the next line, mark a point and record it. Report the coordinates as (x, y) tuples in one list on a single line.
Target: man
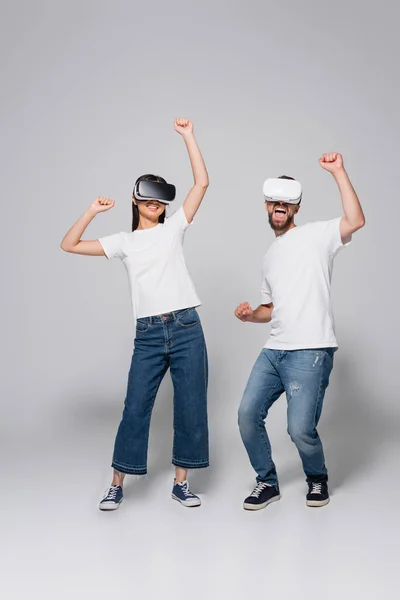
[(298, 357)]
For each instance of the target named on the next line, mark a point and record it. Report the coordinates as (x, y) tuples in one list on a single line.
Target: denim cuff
[(190, 465), (128, 470)]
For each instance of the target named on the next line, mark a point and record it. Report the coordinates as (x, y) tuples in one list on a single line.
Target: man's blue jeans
[(304, 376), (174, 341)]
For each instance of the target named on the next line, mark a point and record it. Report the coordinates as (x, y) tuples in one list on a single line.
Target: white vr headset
[(282, 190)]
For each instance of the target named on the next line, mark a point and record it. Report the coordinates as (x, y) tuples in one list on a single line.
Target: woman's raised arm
[(200, 175), (72, 240)]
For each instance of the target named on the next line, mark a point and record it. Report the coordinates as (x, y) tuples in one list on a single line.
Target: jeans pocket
[(188, 318), (323, 352), (141, 326)]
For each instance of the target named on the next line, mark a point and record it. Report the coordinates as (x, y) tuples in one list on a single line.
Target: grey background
[(89, 94)]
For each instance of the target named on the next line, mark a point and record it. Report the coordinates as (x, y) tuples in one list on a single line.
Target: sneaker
[(262, 495), (182, 493), (318, 494), (112, 499)]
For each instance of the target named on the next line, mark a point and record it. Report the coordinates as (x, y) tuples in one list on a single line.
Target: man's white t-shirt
[(297, 273), (153, 258)]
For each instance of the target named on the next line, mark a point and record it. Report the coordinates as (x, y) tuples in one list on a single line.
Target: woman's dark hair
[(135, 210)]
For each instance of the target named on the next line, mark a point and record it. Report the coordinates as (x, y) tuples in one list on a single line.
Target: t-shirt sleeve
[(178, 220), (330, 237), (266, 296), (113, 245)]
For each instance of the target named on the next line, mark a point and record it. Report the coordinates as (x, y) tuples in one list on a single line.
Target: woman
[(168, 329)]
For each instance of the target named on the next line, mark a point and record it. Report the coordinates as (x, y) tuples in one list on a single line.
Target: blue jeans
[(304, 376), (174, 341)]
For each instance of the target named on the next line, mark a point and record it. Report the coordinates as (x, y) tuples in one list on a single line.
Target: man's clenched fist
[(244, 312), (331, 161)]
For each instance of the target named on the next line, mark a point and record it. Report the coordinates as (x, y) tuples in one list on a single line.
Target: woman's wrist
[(90, 212), (189, 136)]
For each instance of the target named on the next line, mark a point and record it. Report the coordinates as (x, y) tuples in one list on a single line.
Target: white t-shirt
[(297, 272), (157, 273)]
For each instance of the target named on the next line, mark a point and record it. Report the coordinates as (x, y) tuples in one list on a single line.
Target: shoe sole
[(316, 503), (110, 506), (188, 503), (247, 506)]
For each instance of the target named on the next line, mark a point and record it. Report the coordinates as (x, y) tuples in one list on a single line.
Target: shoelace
[(112, 493), (258, 489), (185, 489), (316, 488)]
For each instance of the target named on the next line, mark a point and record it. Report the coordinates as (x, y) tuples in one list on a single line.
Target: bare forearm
[(351, 204), (262, 314), (73, 236), (200, 174)]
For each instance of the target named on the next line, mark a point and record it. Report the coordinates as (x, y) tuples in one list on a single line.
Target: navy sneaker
[(318, 494), (112, 499), (182, 493), (262, 495)]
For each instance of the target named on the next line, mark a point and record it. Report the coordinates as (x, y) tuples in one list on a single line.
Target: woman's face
[(149, 209)]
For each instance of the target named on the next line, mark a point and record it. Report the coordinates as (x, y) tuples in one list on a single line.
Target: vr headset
[(154, 190), (282, 190)]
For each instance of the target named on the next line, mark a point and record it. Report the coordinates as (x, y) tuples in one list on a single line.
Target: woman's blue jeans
[(175, 341)]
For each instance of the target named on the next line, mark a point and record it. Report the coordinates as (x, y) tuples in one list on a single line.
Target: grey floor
[(59, 545)]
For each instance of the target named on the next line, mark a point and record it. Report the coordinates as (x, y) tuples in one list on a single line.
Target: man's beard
[(280, 226)]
